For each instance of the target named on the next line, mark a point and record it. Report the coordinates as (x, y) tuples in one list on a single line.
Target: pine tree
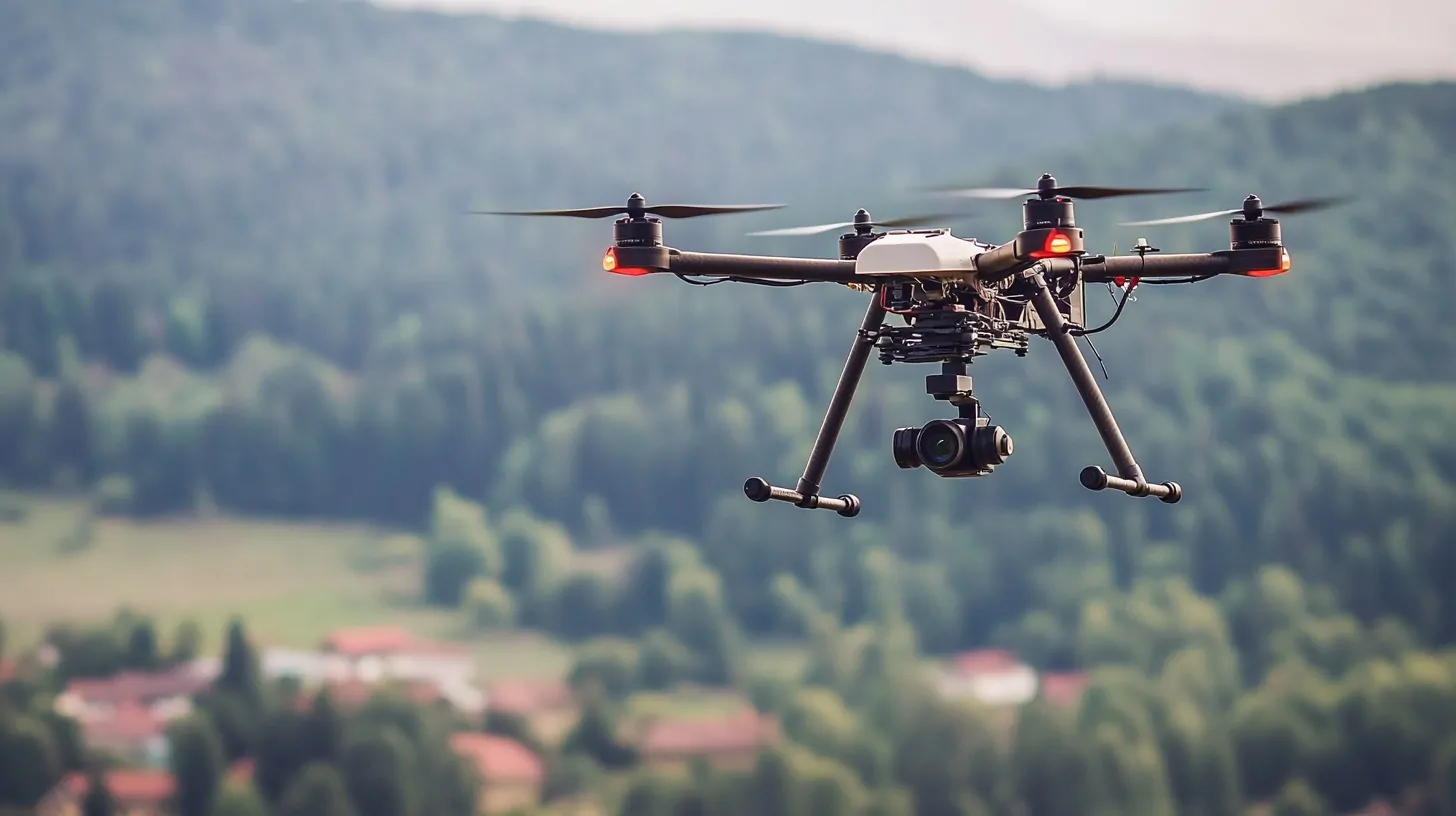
[(198, 763), (240, 666), (98, 801)]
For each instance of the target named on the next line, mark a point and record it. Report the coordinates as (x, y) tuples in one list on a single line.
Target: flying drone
[(957, 299)]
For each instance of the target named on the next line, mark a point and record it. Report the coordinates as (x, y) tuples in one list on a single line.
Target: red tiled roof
[(497, 758), (528, 696), (1063, 688), (7, 670), (986, 661), (745, 731), (128, 787), (141, 686), (366, 640)]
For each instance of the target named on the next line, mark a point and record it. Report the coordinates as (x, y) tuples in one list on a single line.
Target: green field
[(292, 583)]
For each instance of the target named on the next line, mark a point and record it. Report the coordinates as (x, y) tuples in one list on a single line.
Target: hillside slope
[(1304, 430)]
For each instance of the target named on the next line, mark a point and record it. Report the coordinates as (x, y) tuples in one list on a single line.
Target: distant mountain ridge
[(1013, 40)]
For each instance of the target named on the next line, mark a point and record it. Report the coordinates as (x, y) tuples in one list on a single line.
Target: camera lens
[(940, 444), (903, 447)]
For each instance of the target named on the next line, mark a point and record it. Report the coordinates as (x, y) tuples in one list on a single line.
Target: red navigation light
[(609, 263), (1284, 264), (1057, 243)]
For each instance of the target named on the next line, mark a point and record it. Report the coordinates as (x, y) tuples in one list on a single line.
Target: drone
[(957, 299)]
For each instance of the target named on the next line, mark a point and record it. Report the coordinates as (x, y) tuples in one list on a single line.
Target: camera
[(953, 448)]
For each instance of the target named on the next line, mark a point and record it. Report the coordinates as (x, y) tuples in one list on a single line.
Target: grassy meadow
[(292, 583)]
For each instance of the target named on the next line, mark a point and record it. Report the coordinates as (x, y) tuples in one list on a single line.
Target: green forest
[(236, 273)]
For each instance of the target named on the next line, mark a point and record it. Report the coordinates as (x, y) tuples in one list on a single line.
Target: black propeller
[(863, 221), (1046, 187), (1252, 210), (636, 207)]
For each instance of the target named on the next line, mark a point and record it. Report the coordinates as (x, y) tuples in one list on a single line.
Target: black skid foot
[(1095, 478), (759, 490)]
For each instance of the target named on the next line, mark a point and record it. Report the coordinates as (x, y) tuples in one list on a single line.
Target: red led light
[(1284, 264), (1057, 243), (609, 263)]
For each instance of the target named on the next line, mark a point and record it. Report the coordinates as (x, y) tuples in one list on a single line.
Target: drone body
[(957, 299)]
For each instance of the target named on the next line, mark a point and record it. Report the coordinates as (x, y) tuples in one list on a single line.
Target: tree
[(317, 790), (98, 800), (461, 548), (489, 605), (378, 769), (141, 648), (283, 750), (698, 618), (240, 802), (29, 765), (595, 734), (1443, 778), (650, 794), (324, 728), (1297, 798), (71, 431), (235, 719), (240, 672), (186, 642), (197, 763)]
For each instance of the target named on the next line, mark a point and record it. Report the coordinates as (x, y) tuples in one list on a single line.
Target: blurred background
[(323, 496)]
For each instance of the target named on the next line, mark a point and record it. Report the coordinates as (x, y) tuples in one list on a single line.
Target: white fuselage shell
[(918, 253)]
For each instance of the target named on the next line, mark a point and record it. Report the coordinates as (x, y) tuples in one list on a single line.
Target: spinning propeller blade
[(637, 206), (1047, 188), (907, 221), (1286, 208)]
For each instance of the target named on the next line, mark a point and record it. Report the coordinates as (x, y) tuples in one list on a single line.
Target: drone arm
[(806, 493), (1130, 478), (1251, 262), (715, 265)]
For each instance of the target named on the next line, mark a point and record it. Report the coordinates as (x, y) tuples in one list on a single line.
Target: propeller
[(636, 207), (1046, 187), (1252, 210), (861, 221)]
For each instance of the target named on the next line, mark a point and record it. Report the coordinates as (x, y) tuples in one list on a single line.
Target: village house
[(379, 653), (726, 742), (549, 707), (992, 677), (375, 652), (166, 692), (127, 714), (511, 776), (308, 668)]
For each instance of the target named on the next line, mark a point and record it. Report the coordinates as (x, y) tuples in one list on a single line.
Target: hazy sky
[(1274, 49)]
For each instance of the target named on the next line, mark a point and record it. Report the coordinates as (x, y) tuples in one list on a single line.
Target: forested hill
[(277, 138), (301, 167)]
